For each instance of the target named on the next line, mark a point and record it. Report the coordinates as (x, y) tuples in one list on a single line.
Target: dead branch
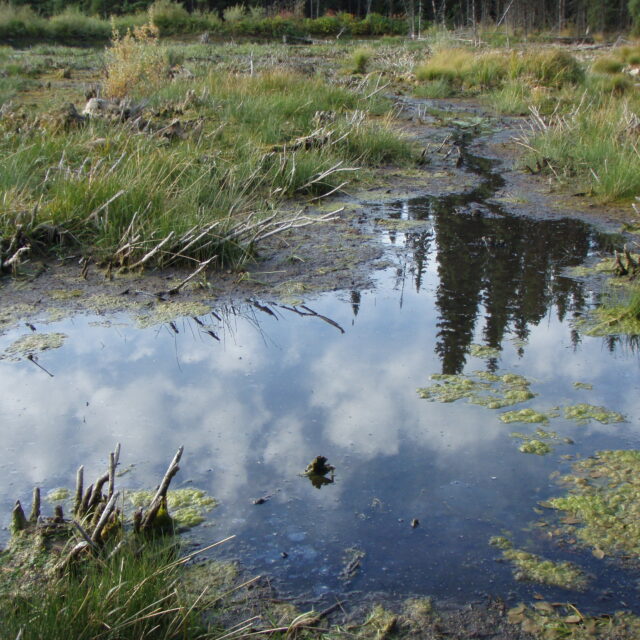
[(161, 493)]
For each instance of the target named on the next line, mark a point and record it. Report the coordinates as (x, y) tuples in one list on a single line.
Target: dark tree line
[(581, 16)]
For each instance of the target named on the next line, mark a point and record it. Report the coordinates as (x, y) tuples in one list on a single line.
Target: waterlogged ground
[(450, 397), (255, 391)]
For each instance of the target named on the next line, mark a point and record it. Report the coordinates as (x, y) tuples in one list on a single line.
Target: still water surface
[(279, 389)]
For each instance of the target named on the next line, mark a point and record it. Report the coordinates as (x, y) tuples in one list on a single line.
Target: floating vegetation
[(584, 413), (33, 343), (533, 568), (583, 385), (604, 502), (65, 294), (168, 311), (559, 620), (537, 444), (486, 389), (58, 495), (501, 542), (187, 507), (530, 416), (12, 313), (537, 447), (484, 352)]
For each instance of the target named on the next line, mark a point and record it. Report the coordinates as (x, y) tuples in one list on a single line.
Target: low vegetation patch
[(604, 501), (487, 389), (533, 568)]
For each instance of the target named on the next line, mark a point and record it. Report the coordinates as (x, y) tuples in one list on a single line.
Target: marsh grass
[(597, 143), (117, 192), (137, 593)]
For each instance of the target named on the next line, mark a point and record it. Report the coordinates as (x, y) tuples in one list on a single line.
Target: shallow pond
[(420, 486)]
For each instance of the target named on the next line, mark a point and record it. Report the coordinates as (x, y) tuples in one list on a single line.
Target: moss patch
[(32, 344), (584, 413), (528, 566), (187, 507), (604, 502)]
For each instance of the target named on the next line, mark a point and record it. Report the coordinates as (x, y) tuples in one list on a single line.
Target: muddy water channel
[(256, 390)]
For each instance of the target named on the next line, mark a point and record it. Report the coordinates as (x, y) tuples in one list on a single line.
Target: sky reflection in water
[(255, 408)]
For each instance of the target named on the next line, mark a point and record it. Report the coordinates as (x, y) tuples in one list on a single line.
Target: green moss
[(584, 413), (604, 499), (33, 343), (187, 507), (528, 566)]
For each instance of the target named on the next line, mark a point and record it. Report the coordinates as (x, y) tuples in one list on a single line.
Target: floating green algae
[(584, 413), (535, 443), (186, 506), (536, 447), (486, 389), (167, 311), (530, 416), (583, 385), (11, 314), (551, 621), (484, 352), (603, 502), (65, 294), (502, 542), (58, 495), (533, 568), (33, 343)]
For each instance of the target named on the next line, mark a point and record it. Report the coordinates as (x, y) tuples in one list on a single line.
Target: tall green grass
[(116, 193), (470, 72), (597, 144), (138, 593)]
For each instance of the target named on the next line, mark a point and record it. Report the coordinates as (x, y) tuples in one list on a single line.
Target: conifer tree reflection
[(507, 268)]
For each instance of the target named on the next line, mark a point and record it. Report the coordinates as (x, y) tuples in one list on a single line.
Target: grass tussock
[(467, 71), (598, 144)]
